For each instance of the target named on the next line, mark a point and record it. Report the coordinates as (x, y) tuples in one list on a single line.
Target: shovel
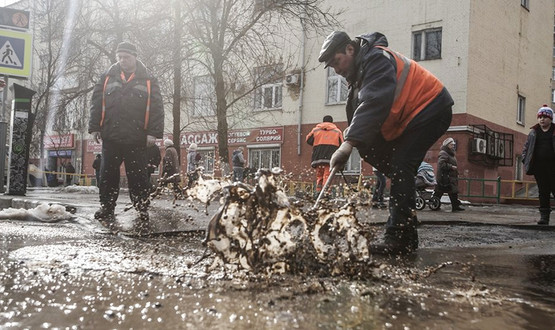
[(325, 187)]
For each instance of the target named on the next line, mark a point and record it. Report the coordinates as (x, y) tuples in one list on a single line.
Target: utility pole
[(3, 134)]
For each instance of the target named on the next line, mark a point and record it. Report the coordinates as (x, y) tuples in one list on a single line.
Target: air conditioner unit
[(292, 79), (500, 148), (479, 146)]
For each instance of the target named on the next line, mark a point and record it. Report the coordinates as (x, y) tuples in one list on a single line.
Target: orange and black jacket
[(325, 138), (126, 113), (389, 93)]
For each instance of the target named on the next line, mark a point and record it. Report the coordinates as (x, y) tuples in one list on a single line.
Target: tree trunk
[(176, 109)]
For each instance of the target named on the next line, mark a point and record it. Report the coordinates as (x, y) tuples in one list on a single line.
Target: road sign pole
[(3, 136)]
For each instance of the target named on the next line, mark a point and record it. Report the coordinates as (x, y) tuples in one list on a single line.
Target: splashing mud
[(258, 229)]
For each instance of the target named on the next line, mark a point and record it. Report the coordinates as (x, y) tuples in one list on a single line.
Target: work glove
[(341, 156), (96, 137), (150, 140)]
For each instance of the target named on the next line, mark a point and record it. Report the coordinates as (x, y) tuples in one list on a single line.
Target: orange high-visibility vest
[(322, 136), (416, 88), (147, 112)]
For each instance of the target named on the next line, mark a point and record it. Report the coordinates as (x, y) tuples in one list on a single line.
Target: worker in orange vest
[(396, 111), (325, 139)]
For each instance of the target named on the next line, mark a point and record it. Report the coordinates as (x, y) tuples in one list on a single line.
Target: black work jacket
[(126, 103), (528, 149)]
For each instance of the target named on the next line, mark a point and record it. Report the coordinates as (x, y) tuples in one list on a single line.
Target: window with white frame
[(553, 96), (264, 157), (203, 96), (269, 95), (553, 74), (521, 107), (337, 89), (353, 164), (206, 160), (426, 44), (525, 3)]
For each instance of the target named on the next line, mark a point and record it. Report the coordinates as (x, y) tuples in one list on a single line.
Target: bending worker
[(396, 111), (325, 138)]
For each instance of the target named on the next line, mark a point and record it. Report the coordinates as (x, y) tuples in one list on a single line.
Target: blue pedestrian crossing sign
[(15, 53)]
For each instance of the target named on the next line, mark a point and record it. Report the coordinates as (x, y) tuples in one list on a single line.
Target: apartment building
[(495, 57)]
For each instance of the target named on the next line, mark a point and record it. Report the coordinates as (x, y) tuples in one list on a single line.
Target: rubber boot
[(398, 240), (105, 215), (142, 225), (544, 216), (455, 203)]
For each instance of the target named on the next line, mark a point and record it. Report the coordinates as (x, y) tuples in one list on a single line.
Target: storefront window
[(264, 158), (207, 160)]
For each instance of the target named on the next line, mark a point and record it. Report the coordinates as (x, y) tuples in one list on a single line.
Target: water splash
[(257, 229)]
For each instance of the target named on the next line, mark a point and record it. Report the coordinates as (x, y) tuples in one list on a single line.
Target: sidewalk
[(85, 201)]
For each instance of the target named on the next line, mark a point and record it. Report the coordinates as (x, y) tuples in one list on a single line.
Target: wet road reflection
[(465, 277)]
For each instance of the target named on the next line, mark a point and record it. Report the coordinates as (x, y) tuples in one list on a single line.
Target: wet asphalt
[(488, 267)]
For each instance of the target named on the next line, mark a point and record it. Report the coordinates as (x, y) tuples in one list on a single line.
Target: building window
[(203, 96), (525, 3), (426, 44), (353, 164), (553, 96), (264, 158), (337, 90), (269, 95), (206, 160), (521, 110), (553, 74)]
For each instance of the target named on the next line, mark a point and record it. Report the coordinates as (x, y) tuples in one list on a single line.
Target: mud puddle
[(463, 277)]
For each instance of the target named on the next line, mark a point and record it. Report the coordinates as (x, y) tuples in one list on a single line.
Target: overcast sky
[(6, 2)]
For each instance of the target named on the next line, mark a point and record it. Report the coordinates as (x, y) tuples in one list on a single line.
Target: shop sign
[(59, 141), (236, 137), (94, 147), (266, 135), (60, 153)]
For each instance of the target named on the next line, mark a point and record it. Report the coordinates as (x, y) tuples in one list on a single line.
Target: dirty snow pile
[(257, 229), (43, 212), (80, 189)]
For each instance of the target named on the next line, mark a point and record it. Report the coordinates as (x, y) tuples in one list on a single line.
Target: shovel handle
[(324, 188)]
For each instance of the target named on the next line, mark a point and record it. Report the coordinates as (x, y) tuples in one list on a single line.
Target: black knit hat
[(328, 119), (127, 47)]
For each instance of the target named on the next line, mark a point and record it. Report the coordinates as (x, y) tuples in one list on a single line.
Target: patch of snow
[(80, 189), (43, 212)]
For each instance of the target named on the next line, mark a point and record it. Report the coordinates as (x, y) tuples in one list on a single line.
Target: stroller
[(425, 183)]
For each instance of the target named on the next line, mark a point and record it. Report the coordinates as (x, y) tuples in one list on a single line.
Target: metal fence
[(494, 189)]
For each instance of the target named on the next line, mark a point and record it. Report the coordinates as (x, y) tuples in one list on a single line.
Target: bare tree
[(238, 42), (57, 80)]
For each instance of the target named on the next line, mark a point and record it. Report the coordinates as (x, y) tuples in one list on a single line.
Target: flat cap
[(331, 45), (127, 47)]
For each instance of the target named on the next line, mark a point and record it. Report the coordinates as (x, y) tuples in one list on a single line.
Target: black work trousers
[(545, 179), (135, 159), (379, 188), (399, 160)]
